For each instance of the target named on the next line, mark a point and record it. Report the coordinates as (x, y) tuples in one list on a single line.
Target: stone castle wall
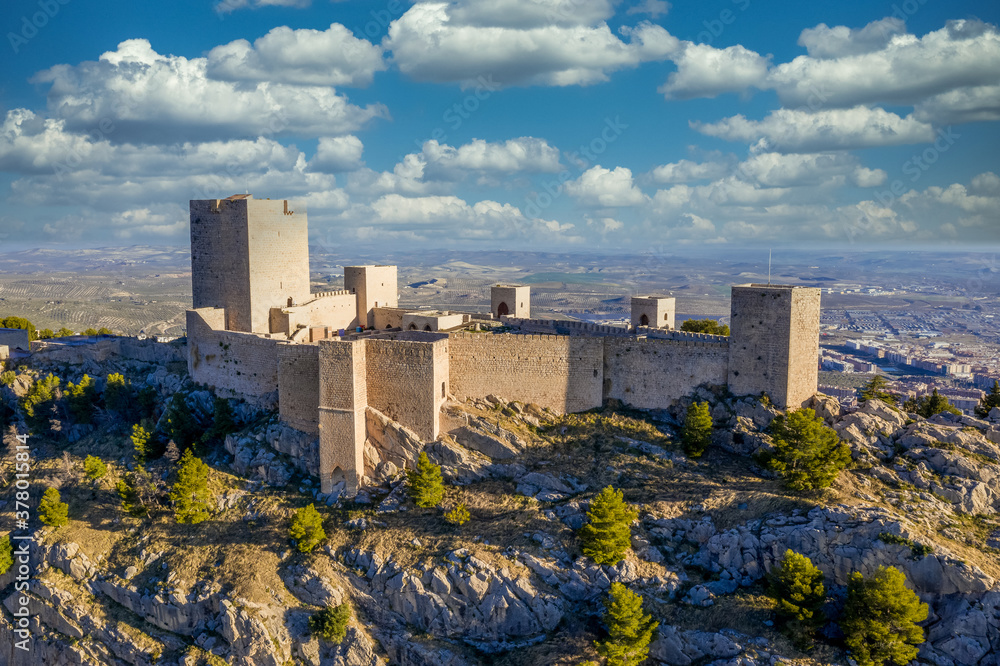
[(407, 381), (775, 342), (559, 372), (336, 310), (298, 386), (15, 338), (235, 364), (803, 347), (343, 401), (650, 373)]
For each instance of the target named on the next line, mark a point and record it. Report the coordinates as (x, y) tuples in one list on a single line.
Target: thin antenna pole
[(769, 267)]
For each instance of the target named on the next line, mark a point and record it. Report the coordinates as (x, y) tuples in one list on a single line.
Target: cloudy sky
[(507, 123)]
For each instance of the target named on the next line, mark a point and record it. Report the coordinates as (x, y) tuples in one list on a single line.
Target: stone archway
[(502, 309), (413, 326), (427, 327), (643, 320)]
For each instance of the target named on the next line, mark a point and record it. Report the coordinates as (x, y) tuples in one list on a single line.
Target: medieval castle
[(256, 331)]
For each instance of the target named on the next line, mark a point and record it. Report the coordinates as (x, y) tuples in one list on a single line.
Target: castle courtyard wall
[(407, 381), (298, 386), (343, 403), (239, 365), (650, 373), (559, 372)]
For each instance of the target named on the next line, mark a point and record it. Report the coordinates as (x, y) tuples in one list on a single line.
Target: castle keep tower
[(375, 287), (654, 311), (510, 299), (247, 256), (774, 343)]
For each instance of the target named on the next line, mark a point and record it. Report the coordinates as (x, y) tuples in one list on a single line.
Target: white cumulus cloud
[(600, 187)]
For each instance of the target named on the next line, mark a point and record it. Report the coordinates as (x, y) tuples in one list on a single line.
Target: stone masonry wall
[(335, 311), (559, 372), (803, 347), (648, 373), (298, 386), (15, 338), (405, 382), (343, 401), (775, 342), (235, 364)]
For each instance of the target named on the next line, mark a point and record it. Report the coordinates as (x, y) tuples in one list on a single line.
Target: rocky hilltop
[(511, 585)]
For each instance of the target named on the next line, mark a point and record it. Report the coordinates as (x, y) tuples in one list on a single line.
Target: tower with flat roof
[(247, 256), (774, 342)]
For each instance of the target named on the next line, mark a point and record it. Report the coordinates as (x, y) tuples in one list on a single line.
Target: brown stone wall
[(298, 386), (559, 372), (343, 400), (648, 373), (240, 365), (404, 382), (774, 344)]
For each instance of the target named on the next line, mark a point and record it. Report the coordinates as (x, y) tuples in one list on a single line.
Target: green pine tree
[(808, 455), (80, 399), (22, 323), (989, 401), (222, 421), (181, 426), (6, 555), (607, 536), (630, 630), (140, 443), (94, 468), (52, 510), (426, 483), (710, 326), (797, 588), (307, 528), (932, 404), (37, 403), (880, 618), (697, 432), (330, 624), (118, 394), (876, 389), (190, 493)]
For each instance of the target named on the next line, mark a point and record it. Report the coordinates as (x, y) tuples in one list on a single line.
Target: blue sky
[(507, 124)]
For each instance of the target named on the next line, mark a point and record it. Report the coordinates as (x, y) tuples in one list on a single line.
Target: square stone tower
[(343, 399), (510, 299), (654, 311), (774, 342), (247, 256), (375, 287)]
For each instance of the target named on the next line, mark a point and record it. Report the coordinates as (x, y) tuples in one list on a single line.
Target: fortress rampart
[(323, 383)]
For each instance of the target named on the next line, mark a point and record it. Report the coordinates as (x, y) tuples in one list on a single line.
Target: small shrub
[(918, 550), (880, 618), (6, 555), (630, 630), (608, 534), (52, 510), (117, 394), (80, 399), (458, 515), (94, 468), (426, 483), (140, 443), (7, 378), (307, 528), (330, 624), (697, 432)]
